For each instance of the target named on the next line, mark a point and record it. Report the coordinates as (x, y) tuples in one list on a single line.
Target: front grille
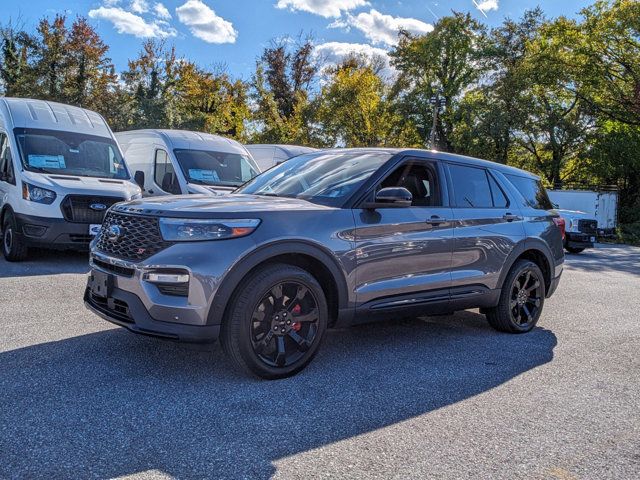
[(590, 227), (117, 269), (139, 238), (77, 208), (111, 307)]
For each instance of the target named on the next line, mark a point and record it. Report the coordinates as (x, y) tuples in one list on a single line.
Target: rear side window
[(499, 198), (535, 196), (470, 187)]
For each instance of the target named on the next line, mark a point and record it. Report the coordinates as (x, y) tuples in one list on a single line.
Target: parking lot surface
[(437, 397)]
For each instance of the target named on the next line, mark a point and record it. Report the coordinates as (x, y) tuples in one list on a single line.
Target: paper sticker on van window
[(47, 161), (204, 175)]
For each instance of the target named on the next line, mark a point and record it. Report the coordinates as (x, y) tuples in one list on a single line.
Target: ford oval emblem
[(114, 233), (98, 207)]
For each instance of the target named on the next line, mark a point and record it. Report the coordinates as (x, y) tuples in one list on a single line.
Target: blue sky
[(234, 32)]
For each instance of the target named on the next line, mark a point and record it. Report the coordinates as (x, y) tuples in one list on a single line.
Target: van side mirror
[(391, 197), (138, 177)]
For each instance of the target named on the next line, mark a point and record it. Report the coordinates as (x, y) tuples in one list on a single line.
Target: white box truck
[(60, 170), (601, 205)]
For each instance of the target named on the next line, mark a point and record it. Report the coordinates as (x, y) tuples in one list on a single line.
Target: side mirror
[(391, 197), (138, 177)]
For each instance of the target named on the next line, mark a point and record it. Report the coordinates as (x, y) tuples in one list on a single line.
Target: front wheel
[(277, 319), (521, 299), (14, 248)]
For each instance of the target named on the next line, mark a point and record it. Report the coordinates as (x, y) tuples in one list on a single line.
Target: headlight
[(37, 194), (136, 196), (188, 230)]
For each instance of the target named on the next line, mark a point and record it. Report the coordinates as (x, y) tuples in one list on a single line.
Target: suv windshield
[(216, 168), (328, 178), (70, 153)]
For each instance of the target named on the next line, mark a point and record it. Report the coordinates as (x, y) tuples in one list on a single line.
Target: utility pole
[(436, 102)]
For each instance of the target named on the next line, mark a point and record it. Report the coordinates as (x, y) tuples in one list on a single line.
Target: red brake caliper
[(296, 311)]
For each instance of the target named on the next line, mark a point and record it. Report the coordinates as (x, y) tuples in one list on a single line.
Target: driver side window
[(6, 163), (420, 179), (163, 172)]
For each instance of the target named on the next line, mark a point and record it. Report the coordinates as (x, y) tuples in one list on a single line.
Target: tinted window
[(327, 178), (70, 153), (499, 198), (6, 164), (420, 180), (534, 194), (163, 167), (470, 187)]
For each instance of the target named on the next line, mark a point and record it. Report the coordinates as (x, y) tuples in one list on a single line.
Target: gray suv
[(329, 239)]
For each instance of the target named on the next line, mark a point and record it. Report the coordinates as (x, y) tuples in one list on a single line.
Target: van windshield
[(216, 168), (70, 153)]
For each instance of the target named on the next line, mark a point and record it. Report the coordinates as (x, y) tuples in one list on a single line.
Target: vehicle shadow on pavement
[(111, 403), (46, 262), (606, 258)]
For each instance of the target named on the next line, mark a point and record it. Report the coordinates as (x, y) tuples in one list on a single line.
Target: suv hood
[(204, 206)]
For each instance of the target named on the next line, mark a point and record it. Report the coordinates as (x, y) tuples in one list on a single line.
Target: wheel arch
[(306, 255), (535, 251)]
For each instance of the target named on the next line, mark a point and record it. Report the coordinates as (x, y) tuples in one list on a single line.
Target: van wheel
[(277, 319), (521, 299), (574, 250), (14, 248)]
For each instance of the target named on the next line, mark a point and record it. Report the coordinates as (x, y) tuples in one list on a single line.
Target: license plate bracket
[(100, 284)]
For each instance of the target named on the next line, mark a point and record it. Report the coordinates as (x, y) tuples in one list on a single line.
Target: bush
[(629, 233)]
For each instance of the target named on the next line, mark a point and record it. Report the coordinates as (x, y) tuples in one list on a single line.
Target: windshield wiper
[(43, 170)]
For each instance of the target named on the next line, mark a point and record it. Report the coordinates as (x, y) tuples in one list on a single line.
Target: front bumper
[(53, 232), (579, 240), (127, 310)]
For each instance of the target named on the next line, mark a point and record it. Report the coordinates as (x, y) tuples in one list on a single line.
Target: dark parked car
[(329, 239)]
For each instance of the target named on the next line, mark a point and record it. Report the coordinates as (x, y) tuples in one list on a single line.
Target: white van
[(267, 156), (60, 170), (173, 162)]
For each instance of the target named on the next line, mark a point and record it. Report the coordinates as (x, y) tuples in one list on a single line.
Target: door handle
[(510, 217), (436, 220)]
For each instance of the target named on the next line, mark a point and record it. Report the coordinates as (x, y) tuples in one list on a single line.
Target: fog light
[(34, 230), (158, 277)]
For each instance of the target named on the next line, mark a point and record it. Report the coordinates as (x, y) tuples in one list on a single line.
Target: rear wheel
[(276, 323), (521, 299), (14, 248)]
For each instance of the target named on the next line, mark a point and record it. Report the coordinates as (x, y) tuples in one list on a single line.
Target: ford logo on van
[(114, 233), (98, 207)]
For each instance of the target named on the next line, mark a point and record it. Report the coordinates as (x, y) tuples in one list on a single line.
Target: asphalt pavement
[(437, 397)]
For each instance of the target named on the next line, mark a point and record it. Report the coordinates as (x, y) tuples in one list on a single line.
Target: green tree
[(446, 61), (16, 74)]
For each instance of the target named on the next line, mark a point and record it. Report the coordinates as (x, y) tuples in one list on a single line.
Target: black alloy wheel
[(521, 299), (526, 298), (284, 324), (276, 321)]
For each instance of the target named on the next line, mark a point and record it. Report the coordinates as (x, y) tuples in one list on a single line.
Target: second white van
[(60, 170), (174, 162)]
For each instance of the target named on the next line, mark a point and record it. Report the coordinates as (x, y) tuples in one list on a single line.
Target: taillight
[(561, 224)]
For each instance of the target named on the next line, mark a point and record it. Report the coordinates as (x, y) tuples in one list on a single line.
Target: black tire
[(574, 250), (257, 327), (14, 248), (518, 312)]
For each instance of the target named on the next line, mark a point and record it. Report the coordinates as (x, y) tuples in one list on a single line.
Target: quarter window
[(471, 187), (498, 196), (534, 194)]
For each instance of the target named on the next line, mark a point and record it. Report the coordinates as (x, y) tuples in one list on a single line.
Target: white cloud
[(332, 53), (160, 11), (139, 6), (324, 8), (132, 24), (486, 5), (205, 24), (380, 28)]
